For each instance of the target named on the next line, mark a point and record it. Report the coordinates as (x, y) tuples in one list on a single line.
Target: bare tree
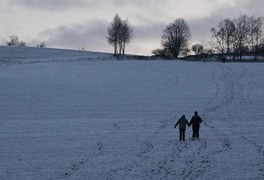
[(198, 48), (209, 51), (114, 32), (119, 34), (175, 38), (241, 35), (219, 40), (229, 30), (186, 52), (126, 35), (22, 43), (255, 33), (158, 52), (261, 47), (14, 41), (42, 44), (238, 35), (223, 36)]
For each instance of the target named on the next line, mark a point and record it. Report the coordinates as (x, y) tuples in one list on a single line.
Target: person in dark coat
[(182, 122), (195, 122)]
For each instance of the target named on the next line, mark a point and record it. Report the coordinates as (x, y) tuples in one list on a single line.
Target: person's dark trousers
[(182, 134), (196, 132)]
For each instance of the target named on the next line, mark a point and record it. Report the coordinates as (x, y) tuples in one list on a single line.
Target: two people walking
[(195, 123)]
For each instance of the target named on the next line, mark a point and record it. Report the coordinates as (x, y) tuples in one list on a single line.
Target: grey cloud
[(141, 3), (147, 37), (254, 7), (200, 27), (148, 24), (48, 4), (90, 35), (149, 30), (67, 4), (150, 33)]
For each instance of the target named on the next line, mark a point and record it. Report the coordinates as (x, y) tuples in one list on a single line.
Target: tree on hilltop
[(198, 49), (120, 33), (14, 41), (175, 38)]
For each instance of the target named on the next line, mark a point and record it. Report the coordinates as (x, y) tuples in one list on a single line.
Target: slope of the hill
[(15, 55), (67, 119)]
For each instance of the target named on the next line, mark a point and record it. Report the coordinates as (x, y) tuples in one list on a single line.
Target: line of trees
[(15, 41), (233, 38), (120, 33)]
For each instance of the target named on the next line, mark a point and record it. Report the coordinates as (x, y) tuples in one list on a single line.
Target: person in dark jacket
[(182, 122), (195, 122)]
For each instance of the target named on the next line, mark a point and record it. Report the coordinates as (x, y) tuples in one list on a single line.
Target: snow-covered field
[(79, 115)]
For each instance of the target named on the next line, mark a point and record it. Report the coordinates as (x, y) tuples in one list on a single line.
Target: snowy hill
[(31, 55), (73, 115)]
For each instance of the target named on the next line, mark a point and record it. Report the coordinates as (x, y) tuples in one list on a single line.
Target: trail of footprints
[(77, 165), (260, 150), (197, 164)]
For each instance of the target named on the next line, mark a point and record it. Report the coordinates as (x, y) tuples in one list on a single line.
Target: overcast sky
[(75, 24)]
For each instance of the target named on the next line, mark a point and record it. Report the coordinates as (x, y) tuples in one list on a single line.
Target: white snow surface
[(82, 115)]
